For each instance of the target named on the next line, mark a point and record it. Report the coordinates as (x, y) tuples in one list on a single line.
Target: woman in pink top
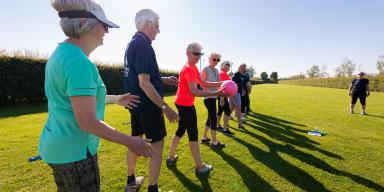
[(189, 77)]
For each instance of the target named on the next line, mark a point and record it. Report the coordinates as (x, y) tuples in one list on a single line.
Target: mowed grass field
[(273, 152)]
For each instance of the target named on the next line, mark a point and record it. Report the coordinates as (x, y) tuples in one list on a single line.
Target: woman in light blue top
[(76, 100)]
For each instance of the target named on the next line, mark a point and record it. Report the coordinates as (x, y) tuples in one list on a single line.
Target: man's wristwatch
[(164, 106)]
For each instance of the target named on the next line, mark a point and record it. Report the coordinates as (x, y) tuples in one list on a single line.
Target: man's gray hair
[(76, 27), (194, 46), (145, 15)]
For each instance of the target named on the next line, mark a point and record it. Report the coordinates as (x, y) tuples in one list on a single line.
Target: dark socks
[(153, 188), (131, 178)]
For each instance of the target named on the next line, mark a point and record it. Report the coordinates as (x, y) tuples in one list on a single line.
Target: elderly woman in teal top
[(76, 100)]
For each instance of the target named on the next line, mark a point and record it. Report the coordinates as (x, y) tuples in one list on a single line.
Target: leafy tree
[(346, 68), (274, 76), (264, 76), (380, 64), (314, 71), (251, 71), (299, 76), (324, 72)]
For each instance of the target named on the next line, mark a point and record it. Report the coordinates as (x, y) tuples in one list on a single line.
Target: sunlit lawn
[(273, 152)]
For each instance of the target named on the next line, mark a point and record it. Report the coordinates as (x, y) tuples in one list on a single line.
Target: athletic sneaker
[(135, 185), (217, 146), (205, 141), (219, 128), (227, 132), (363, 113), (351, 111), (170, 162), (206, 169)]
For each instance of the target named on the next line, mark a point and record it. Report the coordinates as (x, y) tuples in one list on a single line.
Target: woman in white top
[(210, 73)]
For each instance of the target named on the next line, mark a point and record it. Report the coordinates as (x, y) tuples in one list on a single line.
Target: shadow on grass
[(205, 186), (18, 110), (375, 116), (272, 127), (251, 180), (292, 173), (275, 162)]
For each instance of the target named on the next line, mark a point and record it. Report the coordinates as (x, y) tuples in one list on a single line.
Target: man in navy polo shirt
[(142, 78)]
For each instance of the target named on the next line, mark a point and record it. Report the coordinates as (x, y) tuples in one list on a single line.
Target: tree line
[(345, 69)]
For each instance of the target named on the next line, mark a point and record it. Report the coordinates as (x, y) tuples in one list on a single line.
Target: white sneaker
[(363, 113), (136, 185), (206, 169)]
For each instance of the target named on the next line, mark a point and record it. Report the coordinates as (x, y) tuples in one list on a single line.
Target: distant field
[(273, 152)]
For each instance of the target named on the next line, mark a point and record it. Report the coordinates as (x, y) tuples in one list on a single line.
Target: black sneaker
[(219, 128), (205, 141), (135, 185), (217, 146), (170, 162), (227, 132)]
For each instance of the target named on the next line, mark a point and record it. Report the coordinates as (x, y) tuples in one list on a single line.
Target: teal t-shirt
[(68, 73)]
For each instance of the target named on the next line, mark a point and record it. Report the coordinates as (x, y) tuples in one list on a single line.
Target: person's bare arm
[(249, 87), (368, 90), (84, 108), (350, 89), (146, 85), (210, 83), (126, 100), (199, 93)]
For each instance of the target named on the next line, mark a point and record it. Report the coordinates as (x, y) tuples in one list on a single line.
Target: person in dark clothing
[(235, 101), (142, 77), (359, 89), (245, 101)]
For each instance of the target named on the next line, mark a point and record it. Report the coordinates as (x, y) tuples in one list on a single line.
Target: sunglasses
[(215, 60), (197, 54)]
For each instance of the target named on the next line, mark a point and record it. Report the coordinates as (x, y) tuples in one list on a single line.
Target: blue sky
[(287, 36)]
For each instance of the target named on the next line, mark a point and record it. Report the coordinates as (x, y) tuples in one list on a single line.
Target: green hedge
[(22, 79), (376, 83)]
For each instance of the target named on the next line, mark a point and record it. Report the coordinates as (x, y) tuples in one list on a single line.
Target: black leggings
[(224, 108), (187, 122), (210, 104), (361, 95), (245, 103)]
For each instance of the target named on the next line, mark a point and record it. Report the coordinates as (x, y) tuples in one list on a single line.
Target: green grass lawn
[(273, 152)]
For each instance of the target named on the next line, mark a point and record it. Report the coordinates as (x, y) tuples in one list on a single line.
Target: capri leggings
[(210, 104), (224, 108), (77, 176), (357, 94), (187, 122)]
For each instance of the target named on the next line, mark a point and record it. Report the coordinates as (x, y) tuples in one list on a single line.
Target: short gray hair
[(194, 46), (72, 26), (243, 65), (145, 15), (225, 63), (214, 54)]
